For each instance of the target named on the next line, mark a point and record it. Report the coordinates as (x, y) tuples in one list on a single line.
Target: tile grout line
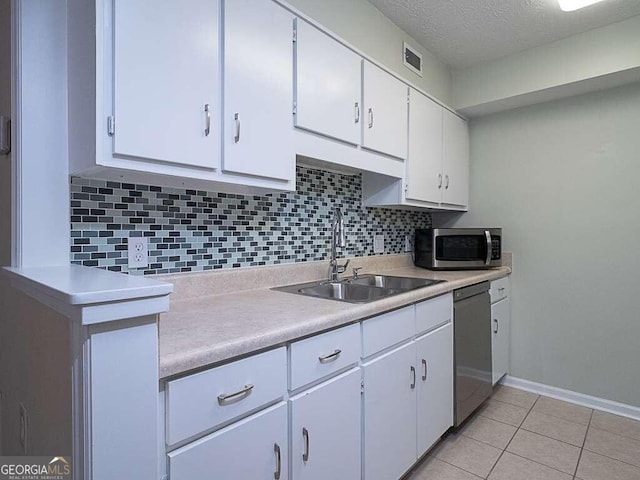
[(512, 437), (575, 472)]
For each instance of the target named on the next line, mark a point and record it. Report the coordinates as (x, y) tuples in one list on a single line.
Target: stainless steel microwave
[(458, 248)]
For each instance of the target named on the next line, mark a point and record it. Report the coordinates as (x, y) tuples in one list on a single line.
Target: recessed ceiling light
[(571, 5)]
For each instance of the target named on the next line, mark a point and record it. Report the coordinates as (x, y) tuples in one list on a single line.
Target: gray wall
[(363, 26), (562, 179)]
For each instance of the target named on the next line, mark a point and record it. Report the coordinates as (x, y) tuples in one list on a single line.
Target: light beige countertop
[(216, 316)]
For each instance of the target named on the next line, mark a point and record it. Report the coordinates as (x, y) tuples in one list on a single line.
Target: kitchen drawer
[(433, 313), (499, 289), (387, 329), (195, 403), (322, 355)]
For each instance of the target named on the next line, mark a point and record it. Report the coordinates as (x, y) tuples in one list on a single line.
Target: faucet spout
[(338, 239)]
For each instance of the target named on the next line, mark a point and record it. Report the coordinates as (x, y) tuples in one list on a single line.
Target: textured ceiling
[(466, 32)]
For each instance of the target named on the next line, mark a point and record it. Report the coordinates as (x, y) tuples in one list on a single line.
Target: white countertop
[(77, 285)]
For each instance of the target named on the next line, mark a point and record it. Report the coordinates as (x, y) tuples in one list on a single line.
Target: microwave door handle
[(487, 235)]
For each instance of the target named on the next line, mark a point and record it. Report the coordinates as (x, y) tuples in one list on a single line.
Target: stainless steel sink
[(347, 292), (363, 289), (394, 283)]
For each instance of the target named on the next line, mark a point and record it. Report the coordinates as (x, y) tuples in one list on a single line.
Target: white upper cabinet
[(327, 85), (455, 160), (258, 89), (165, 73), (385, 112), (424, 165), (150, 108)]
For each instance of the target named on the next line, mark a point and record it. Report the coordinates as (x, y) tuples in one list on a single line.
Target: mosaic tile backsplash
[(194, 230)]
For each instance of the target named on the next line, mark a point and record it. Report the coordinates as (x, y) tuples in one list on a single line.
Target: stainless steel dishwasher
[(472, 348)]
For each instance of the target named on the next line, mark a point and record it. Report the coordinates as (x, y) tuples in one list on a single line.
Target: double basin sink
[(361, 289)]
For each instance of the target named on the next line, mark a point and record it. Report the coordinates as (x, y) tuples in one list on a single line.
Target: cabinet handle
[(424, 369), (501, 289), (413, 377), (207, 125), (446, 178), (330, 357), (439, 180), (236, 117), (497, 325), (305, 436), (357, 112), (278, 472), (370, 118), (229, 398)]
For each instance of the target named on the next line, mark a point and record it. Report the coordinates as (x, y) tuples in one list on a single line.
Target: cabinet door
[(424, 165), (325, 430), (258, 90), (327, 85), (255, 447), (500, 327), (385, 112), (165, 80), (455, 160), (435, 386), (390, 414)]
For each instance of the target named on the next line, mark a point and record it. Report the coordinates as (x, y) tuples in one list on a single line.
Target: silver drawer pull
[(497, 325), (229, 398), (236, 138), (413, 377), (501, 289), (207, 128), (357, 112), (305, 436), (424, 369), (331, 357), (278, 472)]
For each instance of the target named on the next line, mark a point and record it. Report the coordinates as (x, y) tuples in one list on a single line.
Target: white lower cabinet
[(364, 401), (325, 430), (435, 386), (390, 414), (408, 393), (500, 325), (500, 328), (253, 448)]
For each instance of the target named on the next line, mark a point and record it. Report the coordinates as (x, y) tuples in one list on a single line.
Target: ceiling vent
[(412, 59)]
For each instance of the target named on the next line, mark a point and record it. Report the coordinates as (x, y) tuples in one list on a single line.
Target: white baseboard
[(596, 403)]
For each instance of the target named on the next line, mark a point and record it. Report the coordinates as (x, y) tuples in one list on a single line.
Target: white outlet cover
[(378, 244), (138, 252)]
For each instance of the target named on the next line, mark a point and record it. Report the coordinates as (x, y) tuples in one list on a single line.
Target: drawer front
[(434, 312), (387, 329), (322, 355), (499, 289), (204, 400)]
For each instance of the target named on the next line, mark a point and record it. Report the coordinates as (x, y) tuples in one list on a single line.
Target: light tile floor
[(518, 435)]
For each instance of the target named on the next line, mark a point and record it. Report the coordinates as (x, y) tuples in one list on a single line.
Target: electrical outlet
[(378, 244), (24, 428), (407, 243), (138, 252)]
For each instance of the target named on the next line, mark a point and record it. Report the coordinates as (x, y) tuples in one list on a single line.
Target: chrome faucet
[(338, 239)]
